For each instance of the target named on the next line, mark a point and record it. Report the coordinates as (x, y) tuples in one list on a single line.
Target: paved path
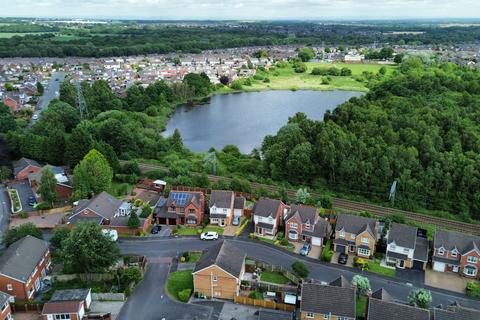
[(4, 211), (318, 270), (150, 301)]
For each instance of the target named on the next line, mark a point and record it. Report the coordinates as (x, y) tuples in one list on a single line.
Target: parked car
[(211, 235), (343, 258), (156, 229), (236, 220), (35, 117), (305, 249), (32, 201)]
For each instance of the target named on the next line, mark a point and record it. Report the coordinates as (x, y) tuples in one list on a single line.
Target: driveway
[(411, 275), (112, 307), (150, 301), (24, 192), (49, 221), (349, 261), (445, 280), (4, 210)]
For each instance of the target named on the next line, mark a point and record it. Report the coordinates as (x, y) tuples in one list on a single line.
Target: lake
[(244, 119)]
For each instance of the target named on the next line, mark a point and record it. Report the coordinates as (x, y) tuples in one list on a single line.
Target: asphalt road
[(50, 92), (4, 212), (149, 300), (319, 271)]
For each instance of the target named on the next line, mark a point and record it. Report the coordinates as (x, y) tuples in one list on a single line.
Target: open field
[(7, 35)]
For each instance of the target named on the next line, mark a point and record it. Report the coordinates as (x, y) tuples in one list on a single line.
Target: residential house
[(221, 207), (181, 207), (406, 248), (335, 301), (63, 186), (356, 234), (13, 104), (23, 167), (219, 271), (148, 191), (382, 306), (303, 223), (455, 312), (67, 304), (456, 252), (23, 266), (5, 310), (239, 206), (102, 208), (264, 314), (267, 216)]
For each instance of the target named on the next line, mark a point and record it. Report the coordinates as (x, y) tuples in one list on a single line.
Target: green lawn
[(215, 229), (194, 257), (374, 266), (178, 281), (361, 306), (186, 231), (273, 277), (357, 68)]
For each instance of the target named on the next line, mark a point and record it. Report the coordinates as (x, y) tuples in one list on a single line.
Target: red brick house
[(23, 167), (5, 310), (12, 104), (455, 252), (181, 208), (67, 304), (63, 187), (304, 224), (267, 216), (23, 266)]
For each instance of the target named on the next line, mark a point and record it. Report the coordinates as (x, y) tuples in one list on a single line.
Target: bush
[(280, 235), (327, 253), (236, 85), (473, 289), (43, 206), (359, 262), (184, 295), (130, 275), (300, 269), (23, 215), (256, 295), (242, 227), (284, 242), (146, 211)]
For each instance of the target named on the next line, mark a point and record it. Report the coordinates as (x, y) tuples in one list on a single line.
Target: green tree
[(59, 235), (420, 298), (5, 173), (77, 145), (40, 88), (300, 269), (92, 175), (7, 120), (176, 141), (131, 275), (199, 82), (302, 196), (16, 233), (362, 284), (306, 54), (133, 220), (325, 201), (88, 250), (47, 187)]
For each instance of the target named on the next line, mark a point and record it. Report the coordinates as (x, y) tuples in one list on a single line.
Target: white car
[(35, 117), (211, 235)]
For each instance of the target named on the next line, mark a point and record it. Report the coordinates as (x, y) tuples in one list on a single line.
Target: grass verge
[(179, 281)]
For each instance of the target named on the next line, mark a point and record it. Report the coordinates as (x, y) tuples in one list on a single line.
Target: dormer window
[(342, 234), (454, 253), (441, 251)]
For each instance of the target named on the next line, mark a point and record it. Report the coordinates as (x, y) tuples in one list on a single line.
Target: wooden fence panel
[(268, 304)]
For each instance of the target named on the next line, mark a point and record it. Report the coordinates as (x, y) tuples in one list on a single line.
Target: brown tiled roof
[(61, 307)]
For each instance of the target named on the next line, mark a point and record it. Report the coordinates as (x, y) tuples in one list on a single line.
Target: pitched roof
[(321, 229), (239, 203), (382, 294), (58, 173), (274, 315), (328, 299), (225, 255), (103, 204), (306, 213), (70, 295), (403, 235), (55, 307), (421, 249), (450, 240), (456, 312), (222, 199), (21, 164), (183, 199), (356, 224), (381, 310), (267, 207), (21, 258)]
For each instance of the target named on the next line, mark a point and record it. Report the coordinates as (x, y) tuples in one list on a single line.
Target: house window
[(191, 210), (214, 278), (363, 252), (342, 234), (392, 246), (293, 235), (405, 250), (454, 253), (352, 236), (326, 316), (182, 210), (293, 225), (472, 259), (214, 220), (310, 315), (191, 221), (470, 271), (365, 240), (62, 316), (4, 307), (224, 210), (9, 287), (441, 252)]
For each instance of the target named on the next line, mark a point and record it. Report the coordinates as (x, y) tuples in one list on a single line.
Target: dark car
[(155, 229), (32, 201), (305, 249), (343, 258)]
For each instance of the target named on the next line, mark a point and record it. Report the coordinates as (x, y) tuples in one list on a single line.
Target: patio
[(443, 280)]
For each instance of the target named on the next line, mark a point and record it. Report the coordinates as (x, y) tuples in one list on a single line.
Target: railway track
[(355, 206)]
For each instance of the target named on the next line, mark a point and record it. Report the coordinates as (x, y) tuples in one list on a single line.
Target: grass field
[(7, 35), (287, 79), (178, 281), (273, 277)]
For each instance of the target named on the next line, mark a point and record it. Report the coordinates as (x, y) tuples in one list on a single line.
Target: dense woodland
[(132, 39), (418, 126)]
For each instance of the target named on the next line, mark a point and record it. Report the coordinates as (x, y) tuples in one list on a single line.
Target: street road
[(319, 271), (4, 212), (51, 92)]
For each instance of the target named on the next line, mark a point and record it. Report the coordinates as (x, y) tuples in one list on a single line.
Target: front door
[(401, 264), (351, 248), (222, 223), (455, 269)]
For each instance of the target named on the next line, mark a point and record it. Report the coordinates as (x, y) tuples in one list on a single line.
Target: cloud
[(242, 9)]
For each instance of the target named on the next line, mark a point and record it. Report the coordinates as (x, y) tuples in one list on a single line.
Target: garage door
[(339, 248), (162, 220), (417, 265), (316, 241), (439, 266), (172, 221)]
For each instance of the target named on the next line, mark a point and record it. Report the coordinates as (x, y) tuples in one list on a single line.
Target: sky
[(242, 9)]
